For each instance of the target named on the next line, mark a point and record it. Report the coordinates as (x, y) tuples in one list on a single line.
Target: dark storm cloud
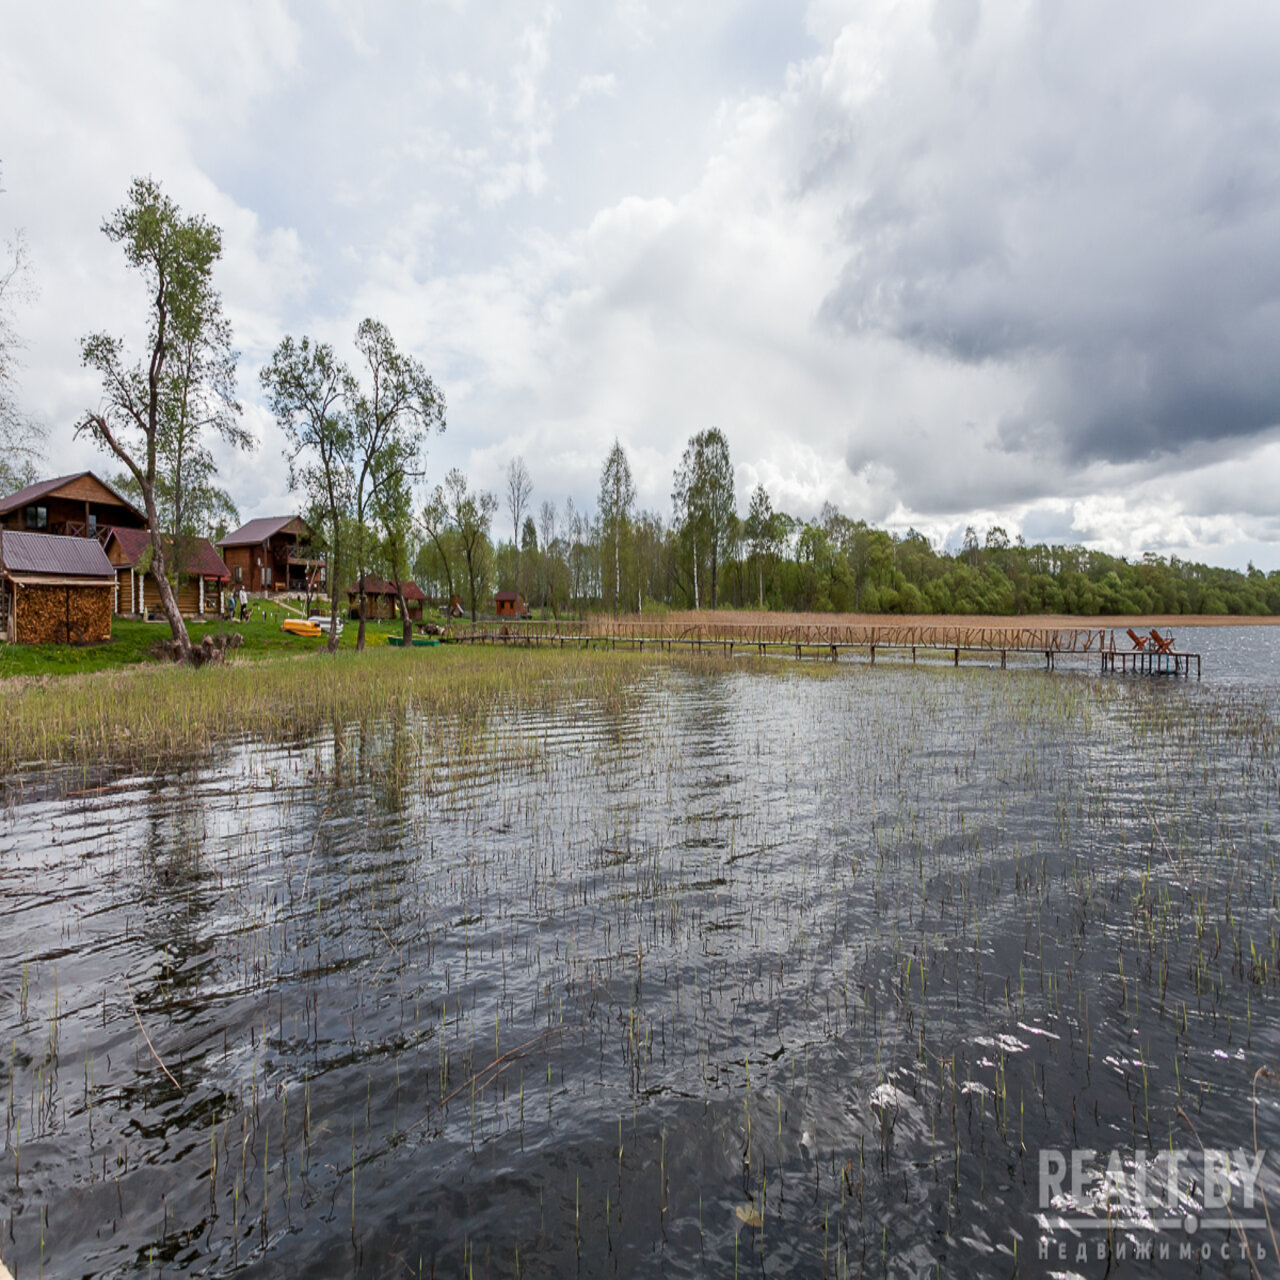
[(1088, 195)]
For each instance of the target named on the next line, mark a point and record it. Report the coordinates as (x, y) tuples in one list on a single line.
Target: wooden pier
[(1142, 662), (821, 640)]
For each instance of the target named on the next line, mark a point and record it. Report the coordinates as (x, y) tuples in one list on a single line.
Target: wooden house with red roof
[(199, 575), (510, 604), (382, 600), (268, 554), (74, 506)]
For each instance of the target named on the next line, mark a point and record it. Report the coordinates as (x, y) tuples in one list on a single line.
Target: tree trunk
[(167, 601), (713, 573), (360, 630), (333, 593), (406, 621), (696, 598)]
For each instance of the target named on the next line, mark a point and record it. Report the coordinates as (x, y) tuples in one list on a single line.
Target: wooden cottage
[(75, 506), (266, 555), (54, 589), (381, 601), (509, 604), (199, 576)]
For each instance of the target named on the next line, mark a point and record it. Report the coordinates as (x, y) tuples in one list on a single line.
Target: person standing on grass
[(244, 604)]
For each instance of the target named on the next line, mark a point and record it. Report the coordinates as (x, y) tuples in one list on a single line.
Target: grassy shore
[(131, 643), (151, 715)]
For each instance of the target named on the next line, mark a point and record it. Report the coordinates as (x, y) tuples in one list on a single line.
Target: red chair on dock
[(1163, 644), (1139, 642)]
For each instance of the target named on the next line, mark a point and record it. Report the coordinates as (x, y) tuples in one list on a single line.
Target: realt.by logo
[(1176, 1189)]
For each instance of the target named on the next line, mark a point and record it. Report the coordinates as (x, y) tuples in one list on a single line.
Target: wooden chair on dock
[(1163, 644), (1139, 642)]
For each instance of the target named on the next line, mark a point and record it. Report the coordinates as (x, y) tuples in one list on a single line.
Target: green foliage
[(156, 410)]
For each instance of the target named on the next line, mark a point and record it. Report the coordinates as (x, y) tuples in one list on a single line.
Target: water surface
[(788, 971)]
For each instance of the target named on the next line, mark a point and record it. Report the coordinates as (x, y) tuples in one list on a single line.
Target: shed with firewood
[(54, 589)]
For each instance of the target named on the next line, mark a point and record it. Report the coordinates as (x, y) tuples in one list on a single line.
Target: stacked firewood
[(50, 613)]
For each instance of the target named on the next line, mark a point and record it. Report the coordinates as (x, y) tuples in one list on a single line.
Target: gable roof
[(383, 587), (199, 559), (50, 555), (46, 488), (264, 527)]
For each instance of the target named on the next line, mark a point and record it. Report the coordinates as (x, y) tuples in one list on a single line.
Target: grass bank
[(145, 715), (131, 643)]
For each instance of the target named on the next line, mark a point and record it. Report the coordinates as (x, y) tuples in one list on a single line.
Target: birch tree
[(305, 385), (175, 255)]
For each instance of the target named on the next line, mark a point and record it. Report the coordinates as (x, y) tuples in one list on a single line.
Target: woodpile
[(57, 613)]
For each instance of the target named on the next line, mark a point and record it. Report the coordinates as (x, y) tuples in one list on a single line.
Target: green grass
[(131, 643)]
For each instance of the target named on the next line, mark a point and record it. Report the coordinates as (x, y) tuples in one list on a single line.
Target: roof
[(199, 560), (383, 587), (49, 554), (262, 528), (507, 595), (43, 488)]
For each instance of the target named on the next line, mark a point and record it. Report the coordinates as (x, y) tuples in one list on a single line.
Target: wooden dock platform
[(820, 640)]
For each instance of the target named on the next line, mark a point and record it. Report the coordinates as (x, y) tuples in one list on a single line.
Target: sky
[(937, 262)]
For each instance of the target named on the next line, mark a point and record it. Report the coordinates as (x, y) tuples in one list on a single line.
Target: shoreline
[(996, 622)]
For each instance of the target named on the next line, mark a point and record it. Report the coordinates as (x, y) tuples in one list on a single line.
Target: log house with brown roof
[(201, 575), (265, 556), (74, 506), (382, 600)]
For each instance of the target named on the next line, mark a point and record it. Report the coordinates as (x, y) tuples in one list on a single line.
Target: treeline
[(706, 554)]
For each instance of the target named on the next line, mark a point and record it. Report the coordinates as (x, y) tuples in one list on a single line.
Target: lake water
[(779, 971)]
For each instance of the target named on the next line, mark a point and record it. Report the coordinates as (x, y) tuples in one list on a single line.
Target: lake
[(834, 970)]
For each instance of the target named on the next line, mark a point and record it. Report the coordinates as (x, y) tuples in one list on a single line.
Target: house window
[(266, 575), (93, 524), (37, 517), (238, 573)]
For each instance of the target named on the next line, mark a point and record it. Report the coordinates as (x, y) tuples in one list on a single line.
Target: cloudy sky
[(936, 261)]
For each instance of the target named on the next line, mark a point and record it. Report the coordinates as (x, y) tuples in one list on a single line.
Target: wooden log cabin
[(54, 589), (510, 604), (381, 600), (198, 575), (75, 506), (268, 555)]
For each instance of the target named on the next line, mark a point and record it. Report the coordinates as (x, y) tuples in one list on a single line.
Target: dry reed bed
[(155, 714)]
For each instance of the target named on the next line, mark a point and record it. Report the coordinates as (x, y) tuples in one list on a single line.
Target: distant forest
[(708, 556)]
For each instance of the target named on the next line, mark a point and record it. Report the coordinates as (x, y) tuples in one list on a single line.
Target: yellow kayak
[(300, 627)]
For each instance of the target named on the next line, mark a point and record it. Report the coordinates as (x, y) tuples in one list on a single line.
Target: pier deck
[(814, 640)]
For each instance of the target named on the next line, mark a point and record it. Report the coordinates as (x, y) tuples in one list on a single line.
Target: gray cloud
[(1091, 196)]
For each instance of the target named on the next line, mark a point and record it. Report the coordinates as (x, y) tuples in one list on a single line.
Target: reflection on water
[(789, 971)]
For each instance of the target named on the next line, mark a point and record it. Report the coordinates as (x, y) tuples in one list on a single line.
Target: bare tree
[(519, 491), (470, 514), (617, 506)]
